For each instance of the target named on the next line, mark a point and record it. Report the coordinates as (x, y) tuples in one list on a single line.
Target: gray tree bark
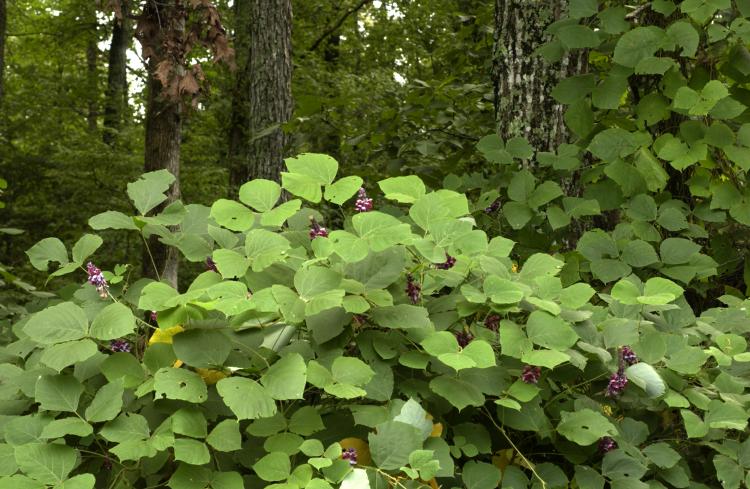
[(162, 151), (523, 81), (263, 92), (116, 97)]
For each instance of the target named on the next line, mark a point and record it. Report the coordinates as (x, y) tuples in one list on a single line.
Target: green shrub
[(400, 348)]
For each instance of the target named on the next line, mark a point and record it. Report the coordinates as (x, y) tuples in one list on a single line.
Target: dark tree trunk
[(3, 22), (239, 122), (523, 81), (116, 101), (263, 92), (162, 151), (91, 81)]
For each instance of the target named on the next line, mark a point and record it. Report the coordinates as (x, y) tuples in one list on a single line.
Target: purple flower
[(363, 203), (607, 444), (448, 263), (531, 374), (617, 384), (350, 454), (628, 355), (153, 316), (316, 229), (464, 338), (413, 289), (119, 346), (492, 322), (493, 207), (211, 265), (97, 279)]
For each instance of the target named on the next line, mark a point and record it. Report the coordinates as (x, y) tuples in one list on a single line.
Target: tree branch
[(335, 26)]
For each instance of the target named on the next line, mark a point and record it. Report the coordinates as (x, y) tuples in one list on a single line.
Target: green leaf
[(573, 88), (203, 348), (67, 426), (62, 355), (637, 44), (127, 426), (230, 263), (312, 281), (480, 475), (191, 451), (662, 455), (56, 324), (286, 378), (85, 246), (647, 378), (545, 358), (578, 36), (402, 316), (45, 251), (157, 296), (260, 194), (694, 425), (406, 190), (246, 398), (112, 220), (58, 392), (273, 467), (582, 8), (549, 331), (232, 215), (613, 143), (114, 321), (225, 437), (584, 426), (729, 473), (302, 186), (676, 251), (264, 248), (343, 190), (493, 149), (502, 291), (107, 403), (394, 441), (280, 214), (49, 464), (318, 167), (148, 191), (456, 391), (179, 384)]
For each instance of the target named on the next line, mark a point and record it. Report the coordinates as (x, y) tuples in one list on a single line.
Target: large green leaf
[(393, 443), (148, 191), (585, 426), (47, 463), (246, 398), (286, 378), (114, 321), (56, 324)]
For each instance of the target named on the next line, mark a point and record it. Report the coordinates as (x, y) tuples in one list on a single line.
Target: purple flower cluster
[(531, 374), (492, 322), (363, 203), (350, 454), (493, 207), (97, 279), (119, 346), (413, 289), (617, 384), (448, 263), (153, 316), (464, 338), (316, 229), (607, 444), (628, 355), (211, 265)]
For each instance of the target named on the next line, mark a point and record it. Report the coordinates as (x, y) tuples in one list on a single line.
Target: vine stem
[(513, 445), (153, 262)]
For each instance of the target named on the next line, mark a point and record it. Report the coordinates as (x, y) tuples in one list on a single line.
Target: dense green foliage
[(510, 317)]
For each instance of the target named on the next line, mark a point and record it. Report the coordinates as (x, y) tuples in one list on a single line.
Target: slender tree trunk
[(3, 22), (523, 81), (91, 81), (162, 151), (239, 123), (116, 101), (267, 83)]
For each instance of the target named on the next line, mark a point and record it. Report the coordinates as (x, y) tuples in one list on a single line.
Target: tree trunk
[(523, 81), (162, 151), (3, 22), (116, 101), (266, 82), (239, 122), (91, 81)]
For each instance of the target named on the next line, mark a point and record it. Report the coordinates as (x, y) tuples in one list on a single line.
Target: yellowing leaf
[(165, 335)]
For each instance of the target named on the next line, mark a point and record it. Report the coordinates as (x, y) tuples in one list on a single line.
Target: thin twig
[(338, 24)]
